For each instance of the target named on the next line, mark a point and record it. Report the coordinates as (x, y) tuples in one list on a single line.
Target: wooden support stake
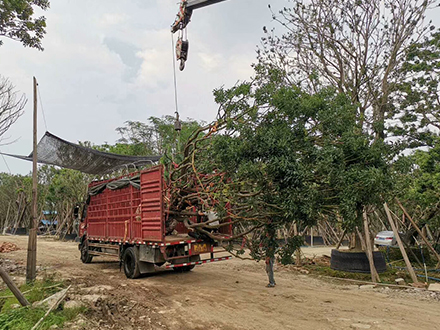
[(369, 250), (11, 285), (31, 265), (341, 239), (401, 247), (420, 233)]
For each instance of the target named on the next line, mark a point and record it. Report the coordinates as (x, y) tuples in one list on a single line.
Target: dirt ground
[(226, 295)]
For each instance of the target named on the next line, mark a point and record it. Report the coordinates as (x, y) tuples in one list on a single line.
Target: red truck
[(125, 218)]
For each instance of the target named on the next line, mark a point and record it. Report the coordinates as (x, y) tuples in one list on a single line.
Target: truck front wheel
[(86, 258), (131, 263)]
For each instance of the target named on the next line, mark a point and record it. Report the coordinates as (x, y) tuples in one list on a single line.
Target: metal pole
[(196, 4), (31, 267)]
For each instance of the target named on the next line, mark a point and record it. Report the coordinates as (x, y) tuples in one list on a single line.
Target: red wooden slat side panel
[(119, 213), (152, 205), (97, 215), (129, 214)]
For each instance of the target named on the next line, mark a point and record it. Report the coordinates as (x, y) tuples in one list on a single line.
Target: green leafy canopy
[(17, 21)]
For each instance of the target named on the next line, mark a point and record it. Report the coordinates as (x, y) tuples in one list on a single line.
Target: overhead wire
[(41, 106), (6, 163)]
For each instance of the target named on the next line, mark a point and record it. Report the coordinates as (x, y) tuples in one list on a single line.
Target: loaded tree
[(277, 155)]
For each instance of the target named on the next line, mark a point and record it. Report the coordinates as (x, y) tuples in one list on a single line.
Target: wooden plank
[(11, 285), (369, 250), (401, 247), (105, 246), (419, 231), (96, 253)]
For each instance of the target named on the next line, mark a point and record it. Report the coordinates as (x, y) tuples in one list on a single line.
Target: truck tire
[(86, 258), (131, 263), (356, 262)]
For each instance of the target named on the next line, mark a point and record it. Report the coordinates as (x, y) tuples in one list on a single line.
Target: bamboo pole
[(401, 247), (11, 285), (419, 231), (369, 251)]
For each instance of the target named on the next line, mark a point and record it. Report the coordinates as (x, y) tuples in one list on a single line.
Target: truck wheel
[(86, 258), (131, 263)]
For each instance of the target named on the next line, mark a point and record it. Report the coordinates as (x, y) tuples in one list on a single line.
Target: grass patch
[(26, 317), (33, 292), (387, 277)]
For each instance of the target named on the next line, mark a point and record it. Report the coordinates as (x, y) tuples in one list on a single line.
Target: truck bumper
[(195, 263)]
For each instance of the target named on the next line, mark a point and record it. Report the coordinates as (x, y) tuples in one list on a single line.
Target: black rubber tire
[(131, 263), (86, 258), (356, 262)]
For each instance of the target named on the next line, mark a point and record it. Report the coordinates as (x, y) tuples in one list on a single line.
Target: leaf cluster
[(17, 21)]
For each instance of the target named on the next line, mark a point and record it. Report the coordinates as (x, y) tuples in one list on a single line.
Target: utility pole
[(31, 266)]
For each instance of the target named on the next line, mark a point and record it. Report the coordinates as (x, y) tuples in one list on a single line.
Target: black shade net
[(53, 150)]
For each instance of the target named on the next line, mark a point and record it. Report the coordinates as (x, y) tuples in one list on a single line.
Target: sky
[(106, 62)]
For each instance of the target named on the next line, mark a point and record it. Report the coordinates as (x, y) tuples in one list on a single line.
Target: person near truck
[(269, 246)]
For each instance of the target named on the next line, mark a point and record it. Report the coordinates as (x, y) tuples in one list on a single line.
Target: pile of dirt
[(320, 261), (6, 247)]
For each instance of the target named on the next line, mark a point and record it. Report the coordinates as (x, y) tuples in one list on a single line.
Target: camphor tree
[(357, 47), (277, 155), (17, 21)]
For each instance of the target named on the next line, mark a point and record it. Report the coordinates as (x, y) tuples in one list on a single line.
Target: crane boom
[(196, 4)]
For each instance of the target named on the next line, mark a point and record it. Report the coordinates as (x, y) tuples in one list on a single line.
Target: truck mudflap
[(195, 263)]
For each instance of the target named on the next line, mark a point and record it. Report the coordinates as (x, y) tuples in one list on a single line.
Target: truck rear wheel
[(86, 258), (131, 263)]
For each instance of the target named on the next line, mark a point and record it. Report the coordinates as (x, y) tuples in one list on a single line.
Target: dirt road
[(228, 295)]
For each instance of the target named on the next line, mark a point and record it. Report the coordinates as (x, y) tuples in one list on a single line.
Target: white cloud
[(109, 19), (211, 62)]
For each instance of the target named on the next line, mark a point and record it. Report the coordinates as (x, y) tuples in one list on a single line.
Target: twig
[(51, 308)]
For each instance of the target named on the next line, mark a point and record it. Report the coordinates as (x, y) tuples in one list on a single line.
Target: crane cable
[(175, 77), (177, 123)]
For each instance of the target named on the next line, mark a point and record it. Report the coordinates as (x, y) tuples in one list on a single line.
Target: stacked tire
[(356, 262)]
